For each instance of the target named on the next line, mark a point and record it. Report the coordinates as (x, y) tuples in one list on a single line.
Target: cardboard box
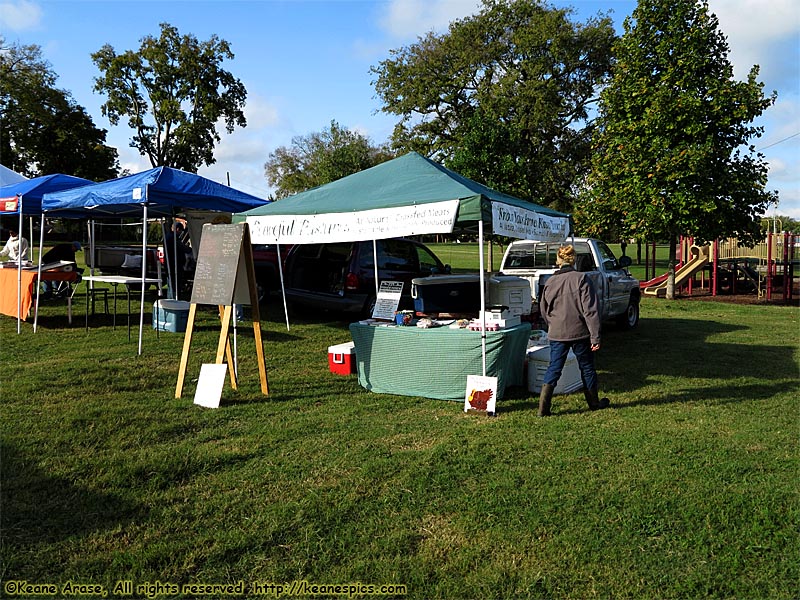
[(538, 360), (503, 319), (170, 315), (342, 358)]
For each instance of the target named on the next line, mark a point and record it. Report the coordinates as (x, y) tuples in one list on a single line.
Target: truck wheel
[(630, 318)]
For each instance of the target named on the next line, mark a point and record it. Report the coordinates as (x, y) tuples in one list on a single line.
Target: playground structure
[(725, 267)]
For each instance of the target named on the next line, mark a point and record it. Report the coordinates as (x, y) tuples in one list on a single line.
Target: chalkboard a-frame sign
[(224, 276), (221, 275)]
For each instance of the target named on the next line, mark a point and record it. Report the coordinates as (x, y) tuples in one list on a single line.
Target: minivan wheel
[(261, 291), (369, 307)]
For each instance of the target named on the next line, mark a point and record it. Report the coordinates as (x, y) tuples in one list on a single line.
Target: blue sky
[(305, 63)]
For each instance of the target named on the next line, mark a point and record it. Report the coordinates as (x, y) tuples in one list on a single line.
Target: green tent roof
[(408, 180)]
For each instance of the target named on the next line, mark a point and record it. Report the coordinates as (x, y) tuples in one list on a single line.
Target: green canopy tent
[(410, 195)]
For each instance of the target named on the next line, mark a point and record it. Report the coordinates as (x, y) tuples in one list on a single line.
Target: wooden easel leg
[(224, 346), (187, 342), (262, 367)]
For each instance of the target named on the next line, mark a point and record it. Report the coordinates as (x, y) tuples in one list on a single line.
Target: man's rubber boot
[(593, 401), (545, 400)]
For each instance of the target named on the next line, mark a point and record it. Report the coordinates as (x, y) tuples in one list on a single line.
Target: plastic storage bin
[(447, 294), (342, 358), (539, 359), (170, 315)]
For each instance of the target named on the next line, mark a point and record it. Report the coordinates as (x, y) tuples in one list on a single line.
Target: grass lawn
[(686, 488)]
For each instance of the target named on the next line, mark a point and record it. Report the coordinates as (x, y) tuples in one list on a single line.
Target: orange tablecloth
[(8, 292), (8, 289)]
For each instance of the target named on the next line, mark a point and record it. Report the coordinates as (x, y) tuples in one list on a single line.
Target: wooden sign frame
[(212, 262)]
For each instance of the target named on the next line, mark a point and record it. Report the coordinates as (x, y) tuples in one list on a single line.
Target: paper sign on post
[(481, 393), (388, 300), (209, 385)]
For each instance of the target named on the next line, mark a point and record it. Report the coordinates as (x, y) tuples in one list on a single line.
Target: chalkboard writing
[(218, 263)]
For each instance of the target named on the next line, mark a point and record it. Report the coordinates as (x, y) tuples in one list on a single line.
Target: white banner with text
[(376, 224), (526, 224)]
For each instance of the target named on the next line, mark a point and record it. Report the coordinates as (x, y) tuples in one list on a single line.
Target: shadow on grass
[(678, 348), (40, 508), (630, 361)]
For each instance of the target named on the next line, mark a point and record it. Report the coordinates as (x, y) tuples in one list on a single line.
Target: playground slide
[(682, 275), (653, 281)]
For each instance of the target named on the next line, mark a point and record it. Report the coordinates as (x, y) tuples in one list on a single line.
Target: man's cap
[(76, 245)]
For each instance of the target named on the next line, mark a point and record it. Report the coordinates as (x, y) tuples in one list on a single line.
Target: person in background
[(59, 252), (65, 252), (570, 308), (16, 247), (181, 265)]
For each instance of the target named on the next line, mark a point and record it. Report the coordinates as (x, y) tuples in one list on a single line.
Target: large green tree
[(319, 158), (42, 129), (671, 154), (503, 97), (172, 91)]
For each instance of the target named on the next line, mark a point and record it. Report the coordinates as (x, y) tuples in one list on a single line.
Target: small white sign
[(388, 300), (481, 393), (137, 193), (209, 385)]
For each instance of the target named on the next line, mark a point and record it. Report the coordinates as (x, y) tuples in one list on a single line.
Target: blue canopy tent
[(158, 192), (25, 198), (7, 176)]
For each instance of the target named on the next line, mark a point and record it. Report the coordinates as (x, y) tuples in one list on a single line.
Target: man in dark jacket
[(570, 308), (59, 252), (65, 252)]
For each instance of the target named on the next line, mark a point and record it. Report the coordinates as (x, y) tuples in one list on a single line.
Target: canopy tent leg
[(144, 274), (375, 262), (39, 275), (170, 288), (283, 287), (483, 295)]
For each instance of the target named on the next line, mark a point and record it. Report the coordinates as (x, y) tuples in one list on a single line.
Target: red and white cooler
[(342, 358)]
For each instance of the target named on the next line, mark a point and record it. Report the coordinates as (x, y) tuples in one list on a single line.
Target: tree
[(172, 91), (320, 158), (503, 97), (670, 154), (42, 129)]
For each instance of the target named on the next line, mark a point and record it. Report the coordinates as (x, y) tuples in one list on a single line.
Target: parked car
[(341, 276), (265, 264)]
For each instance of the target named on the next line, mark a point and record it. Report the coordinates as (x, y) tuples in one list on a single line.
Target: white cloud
[(412, 18), (20, 16), (260, 113), (765, 34)]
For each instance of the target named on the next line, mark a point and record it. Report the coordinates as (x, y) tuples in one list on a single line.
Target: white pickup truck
[(617, 290)]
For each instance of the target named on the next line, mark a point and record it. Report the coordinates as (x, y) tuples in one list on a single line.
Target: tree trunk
[(671, 272)]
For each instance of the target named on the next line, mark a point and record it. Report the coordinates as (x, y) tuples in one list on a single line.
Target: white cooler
[(511, 291), (539, 359)]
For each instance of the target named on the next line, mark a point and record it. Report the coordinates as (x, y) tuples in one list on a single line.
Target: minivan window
[(397, 256), (427, 261)]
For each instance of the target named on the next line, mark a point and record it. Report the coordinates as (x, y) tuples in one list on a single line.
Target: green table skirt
[(434, 363)]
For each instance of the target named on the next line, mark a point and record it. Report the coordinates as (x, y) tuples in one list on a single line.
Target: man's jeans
[(558, 356)]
